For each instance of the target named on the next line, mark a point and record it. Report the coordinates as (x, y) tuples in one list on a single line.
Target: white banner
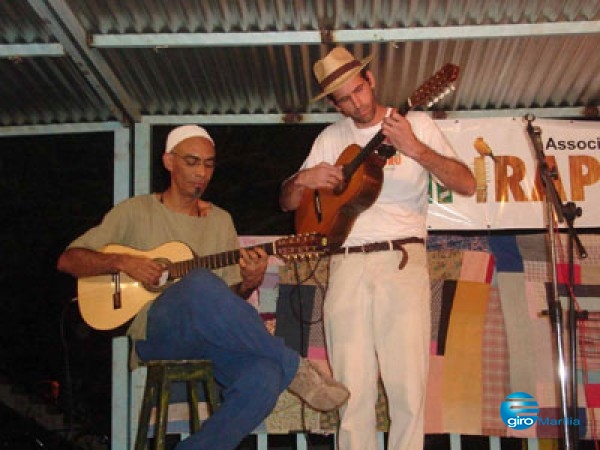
[(510, 194)]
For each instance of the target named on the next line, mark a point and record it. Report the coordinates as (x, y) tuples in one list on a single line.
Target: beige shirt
[(144, 223)]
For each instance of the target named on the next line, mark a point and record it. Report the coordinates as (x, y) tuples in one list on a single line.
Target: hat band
[(337, 73)]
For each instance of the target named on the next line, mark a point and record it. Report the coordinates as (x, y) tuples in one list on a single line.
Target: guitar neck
[(426, 95), (215, 261), (371, 146)]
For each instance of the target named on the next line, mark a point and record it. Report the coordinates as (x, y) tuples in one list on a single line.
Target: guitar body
[(339, 210), (102, 309), (95, 293)]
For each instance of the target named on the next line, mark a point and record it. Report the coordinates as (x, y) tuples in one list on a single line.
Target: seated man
[(203, 315)]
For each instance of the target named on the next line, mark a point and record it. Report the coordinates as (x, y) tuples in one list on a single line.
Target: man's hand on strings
[(253, 265)]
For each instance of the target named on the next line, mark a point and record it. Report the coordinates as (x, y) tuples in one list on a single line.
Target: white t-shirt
[(401, 208)]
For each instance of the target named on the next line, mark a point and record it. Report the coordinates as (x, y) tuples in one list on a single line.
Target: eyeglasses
[(194, 161)]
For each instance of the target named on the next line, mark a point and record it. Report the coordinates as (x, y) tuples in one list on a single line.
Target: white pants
[(377, 321)]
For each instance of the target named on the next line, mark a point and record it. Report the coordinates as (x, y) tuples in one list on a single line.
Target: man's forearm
[(291, 193), (452, 173), (82, 262)]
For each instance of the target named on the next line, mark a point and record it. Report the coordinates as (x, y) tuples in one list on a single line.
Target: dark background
[(54, 187)]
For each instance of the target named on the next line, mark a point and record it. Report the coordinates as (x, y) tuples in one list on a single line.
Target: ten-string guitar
[(332, 212), (108, 301)]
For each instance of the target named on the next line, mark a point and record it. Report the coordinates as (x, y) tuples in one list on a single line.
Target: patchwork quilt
[(492, 333)]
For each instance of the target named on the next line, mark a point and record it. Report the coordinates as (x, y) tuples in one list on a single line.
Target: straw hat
[(337, 67)]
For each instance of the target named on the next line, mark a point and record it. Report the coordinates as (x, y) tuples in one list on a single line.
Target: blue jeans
[(200, 317)]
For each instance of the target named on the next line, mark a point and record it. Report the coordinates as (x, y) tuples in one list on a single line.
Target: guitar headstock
[(436, 87), (301, 246)]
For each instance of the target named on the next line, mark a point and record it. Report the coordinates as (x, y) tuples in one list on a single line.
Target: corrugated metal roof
[(133, 60)]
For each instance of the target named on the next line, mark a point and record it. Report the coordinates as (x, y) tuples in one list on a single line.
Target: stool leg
[(210, 389), (193, 400), (160, 428), (141, 439)]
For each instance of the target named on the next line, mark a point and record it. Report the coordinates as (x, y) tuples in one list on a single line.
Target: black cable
[(299, 315), (298, 312)]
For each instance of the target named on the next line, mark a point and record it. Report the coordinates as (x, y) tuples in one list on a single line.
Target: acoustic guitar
[(108, 301), (333, 212)]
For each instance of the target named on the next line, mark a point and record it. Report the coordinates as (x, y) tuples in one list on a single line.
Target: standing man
[(203, 315), (377, 306)]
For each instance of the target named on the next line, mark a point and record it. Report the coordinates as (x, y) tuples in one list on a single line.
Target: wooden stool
[(159, 377)]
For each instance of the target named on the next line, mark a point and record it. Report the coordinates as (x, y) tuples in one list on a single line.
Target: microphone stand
[(568, 212)]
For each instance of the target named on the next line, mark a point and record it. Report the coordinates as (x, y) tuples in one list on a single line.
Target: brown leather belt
[(379, 246)]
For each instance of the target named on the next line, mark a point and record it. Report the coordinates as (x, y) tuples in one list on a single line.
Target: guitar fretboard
[(216, 261), (371, 146), (426, 95)]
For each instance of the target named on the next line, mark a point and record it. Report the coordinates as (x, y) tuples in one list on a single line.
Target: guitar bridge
[(117, 290)]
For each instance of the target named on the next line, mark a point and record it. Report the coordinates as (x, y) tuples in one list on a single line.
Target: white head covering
[(184, 132)]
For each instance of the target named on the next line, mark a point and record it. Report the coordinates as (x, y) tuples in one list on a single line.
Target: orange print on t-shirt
[(394, 160)]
